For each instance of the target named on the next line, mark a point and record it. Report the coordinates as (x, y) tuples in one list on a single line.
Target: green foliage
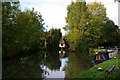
[(53, 39), (30, 30), (72, 38), (100, 26), (9, 11), (88, 27), (22, 31), (77, 18), (97, 10), (111, 38)]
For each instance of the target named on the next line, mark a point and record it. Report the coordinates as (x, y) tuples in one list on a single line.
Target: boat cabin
[(100, 57)]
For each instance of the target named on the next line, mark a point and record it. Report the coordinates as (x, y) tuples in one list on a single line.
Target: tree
[(97, 10), (110, 39), (98, 33), (9, 13), (53, 38), (98, 18), (23, 32), (88, 26), (77, 18), (30, 28)]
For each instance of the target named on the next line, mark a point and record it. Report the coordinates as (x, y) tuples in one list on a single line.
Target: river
[(45, 66)]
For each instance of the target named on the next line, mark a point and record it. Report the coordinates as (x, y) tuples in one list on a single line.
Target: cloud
[(54, 11)]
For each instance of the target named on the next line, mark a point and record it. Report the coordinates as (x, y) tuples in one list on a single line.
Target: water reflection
[(76, 63), (39, 65), (54, 66), (63, 54), (46, 65), (52, 62), (56, 73), (24, 67)]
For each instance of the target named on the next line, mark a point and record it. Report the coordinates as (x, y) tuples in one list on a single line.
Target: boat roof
[(103, 52)]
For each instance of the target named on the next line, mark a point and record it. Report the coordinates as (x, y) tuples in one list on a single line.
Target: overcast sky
[(54, 11)]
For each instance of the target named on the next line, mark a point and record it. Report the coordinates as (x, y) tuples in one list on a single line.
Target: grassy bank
[(94, 73)]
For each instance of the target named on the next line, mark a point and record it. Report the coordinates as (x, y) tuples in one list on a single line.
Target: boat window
[(103, 57), (97, 57)]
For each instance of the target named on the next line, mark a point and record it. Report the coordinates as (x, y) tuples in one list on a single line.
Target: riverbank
[(94, 73)]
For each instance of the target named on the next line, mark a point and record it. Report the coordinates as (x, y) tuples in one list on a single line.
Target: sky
[(54, 11)]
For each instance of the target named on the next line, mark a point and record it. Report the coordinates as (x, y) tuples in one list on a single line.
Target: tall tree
[(110, 39), (77, 16), (9, 13), (77, 19), (88, 26), (97, 10), (22, 31), (100, 26), (54, 36), (30, 28)]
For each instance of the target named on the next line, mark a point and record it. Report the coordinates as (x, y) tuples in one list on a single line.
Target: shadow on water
[(77, 63), (24, 67), (38, 65), (45, 65)]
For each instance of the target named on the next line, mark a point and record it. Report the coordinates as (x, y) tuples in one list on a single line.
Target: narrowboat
[(100, 57)]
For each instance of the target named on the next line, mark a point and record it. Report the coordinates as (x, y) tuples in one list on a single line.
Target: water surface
[(45, 65)]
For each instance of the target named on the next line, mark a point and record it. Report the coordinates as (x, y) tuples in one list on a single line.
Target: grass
[(94, 73)]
